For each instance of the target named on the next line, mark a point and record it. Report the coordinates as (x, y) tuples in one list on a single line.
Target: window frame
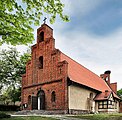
[(29, 100), (41, 63), (41, 36), (103, 104), (53, 96)]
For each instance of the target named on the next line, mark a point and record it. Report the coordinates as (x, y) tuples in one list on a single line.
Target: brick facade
[(50, 76), (54, 81)]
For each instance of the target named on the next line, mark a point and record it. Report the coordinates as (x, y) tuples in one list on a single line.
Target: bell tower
[(43, 33)]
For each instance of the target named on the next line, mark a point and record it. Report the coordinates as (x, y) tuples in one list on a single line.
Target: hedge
[(9, 108)]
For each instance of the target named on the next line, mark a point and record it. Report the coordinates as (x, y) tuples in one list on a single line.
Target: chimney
[(106, 76), (114, 87), (106, 94)]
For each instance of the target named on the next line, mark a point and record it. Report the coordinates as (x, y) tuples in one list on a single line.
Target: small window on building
[(53, 96), (41, 37), (29, 99), (41, 62), (91, 96), (103, 105)]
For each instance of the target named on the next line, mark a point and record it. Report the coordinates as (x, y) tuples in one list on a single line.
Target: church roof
[(82, 75)]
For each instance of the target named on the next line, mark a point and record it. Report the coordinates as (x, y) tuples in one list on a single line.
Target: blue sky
[(93, 37)]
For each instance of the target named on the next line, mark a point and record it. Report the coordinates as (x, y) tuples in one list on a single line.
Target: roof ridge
[(81, 65), (87, 76)]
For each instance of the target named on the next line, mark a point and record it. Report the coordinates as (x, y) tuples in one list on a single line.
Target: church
[(55, 82)]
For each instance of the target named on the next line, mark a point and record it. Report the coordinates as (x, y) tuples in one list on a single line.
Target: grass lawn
[(29, 118), (100, 116)]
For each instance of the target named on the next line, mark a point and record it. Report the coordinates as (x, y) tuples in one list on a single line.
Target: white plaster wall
[(117, 106), (78, 98)]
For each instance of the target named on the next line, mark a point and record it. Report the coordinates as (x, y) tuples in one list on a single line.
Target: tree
[(11, 95), (119, 93), (17, 18), (12, 66)]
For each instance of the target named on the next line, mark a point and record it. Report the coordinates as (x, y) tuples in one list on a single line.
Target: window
[(53, 96), (41, 37), (91, 96), (41, 62), (29, 99), (103, 105), (111, 104)]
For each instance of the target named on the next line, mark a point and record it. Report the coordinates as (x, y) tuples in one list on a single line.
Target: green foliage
[(16, 18), (11, 95), (119, 93), (31, 118), (4, 115), (12, 66), (100, 116)]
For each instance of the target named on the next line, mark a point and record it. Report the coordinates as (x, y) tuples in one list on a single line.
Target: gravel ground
[(61, 117)]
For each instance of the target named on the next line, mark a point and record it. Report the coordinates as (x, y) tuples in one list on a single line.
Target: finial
[(44, 20)]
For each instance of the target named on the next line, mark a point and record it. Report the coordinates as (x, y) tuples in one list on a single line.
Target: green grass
[(100, 116), (29, 118)]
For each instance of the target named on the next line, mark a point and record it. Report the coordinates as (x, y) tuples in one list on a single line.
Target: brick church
[(54, 81)]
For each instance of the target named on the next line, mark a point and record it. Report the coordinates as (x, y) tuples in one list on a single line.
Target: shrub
[(9, 108), (4, 115)]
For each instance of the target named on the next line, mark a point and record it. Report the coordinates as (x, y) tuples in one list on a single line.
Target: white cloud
[(79, 6), (96, 53)]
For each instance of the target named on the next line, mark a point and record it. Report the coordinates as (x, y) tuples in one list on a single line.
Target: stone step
[(40, 112)]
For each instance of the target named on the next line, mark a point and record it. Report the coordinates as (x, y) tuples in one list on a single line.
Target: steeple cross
[(45, 20)]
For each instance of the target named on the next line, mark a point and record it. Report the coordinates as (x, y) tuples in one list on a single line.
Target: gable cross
[(45, 20)]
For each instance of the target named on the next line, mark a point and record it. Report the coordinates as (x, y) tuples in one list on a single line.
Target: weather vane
[(45, 20)]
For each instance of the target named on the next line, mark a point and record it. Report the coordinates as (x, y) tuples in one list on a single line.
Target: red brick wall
[(114, 87), (53, 76)]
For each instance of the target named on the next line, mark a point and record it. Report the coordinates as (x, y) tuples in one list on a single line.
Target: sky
[(93, 37)]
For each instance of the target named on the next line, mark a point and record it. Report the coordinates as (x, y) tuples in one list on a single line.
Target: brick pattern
[(53, 76)]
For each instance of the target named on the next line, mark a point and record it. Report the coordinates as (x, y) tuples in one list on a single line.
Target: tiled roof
[(103, 96), (82, 75)]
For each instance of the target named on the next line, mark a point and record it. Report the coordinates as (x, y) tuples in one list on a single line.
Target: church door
[(41, 100)]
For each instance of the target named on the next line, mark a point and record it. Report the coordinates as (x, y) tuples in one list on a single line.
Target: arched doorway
[(41, 100)]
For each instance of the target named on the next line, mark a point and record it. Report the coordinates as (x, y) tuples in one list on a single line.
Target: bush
[(9, 108), (4, 115)]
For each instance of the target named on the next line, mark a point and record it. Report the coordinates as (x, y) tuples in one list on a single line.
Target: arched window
[(53, 96), (29, 99), (41, 62), (41, 36)]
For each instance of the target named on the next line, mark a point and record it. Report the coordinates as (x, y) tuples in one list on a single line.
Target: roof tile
[(84, 76)]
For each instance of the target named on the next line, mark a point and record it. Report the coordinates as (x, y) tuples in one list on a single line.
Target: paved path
[(60, 117)]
